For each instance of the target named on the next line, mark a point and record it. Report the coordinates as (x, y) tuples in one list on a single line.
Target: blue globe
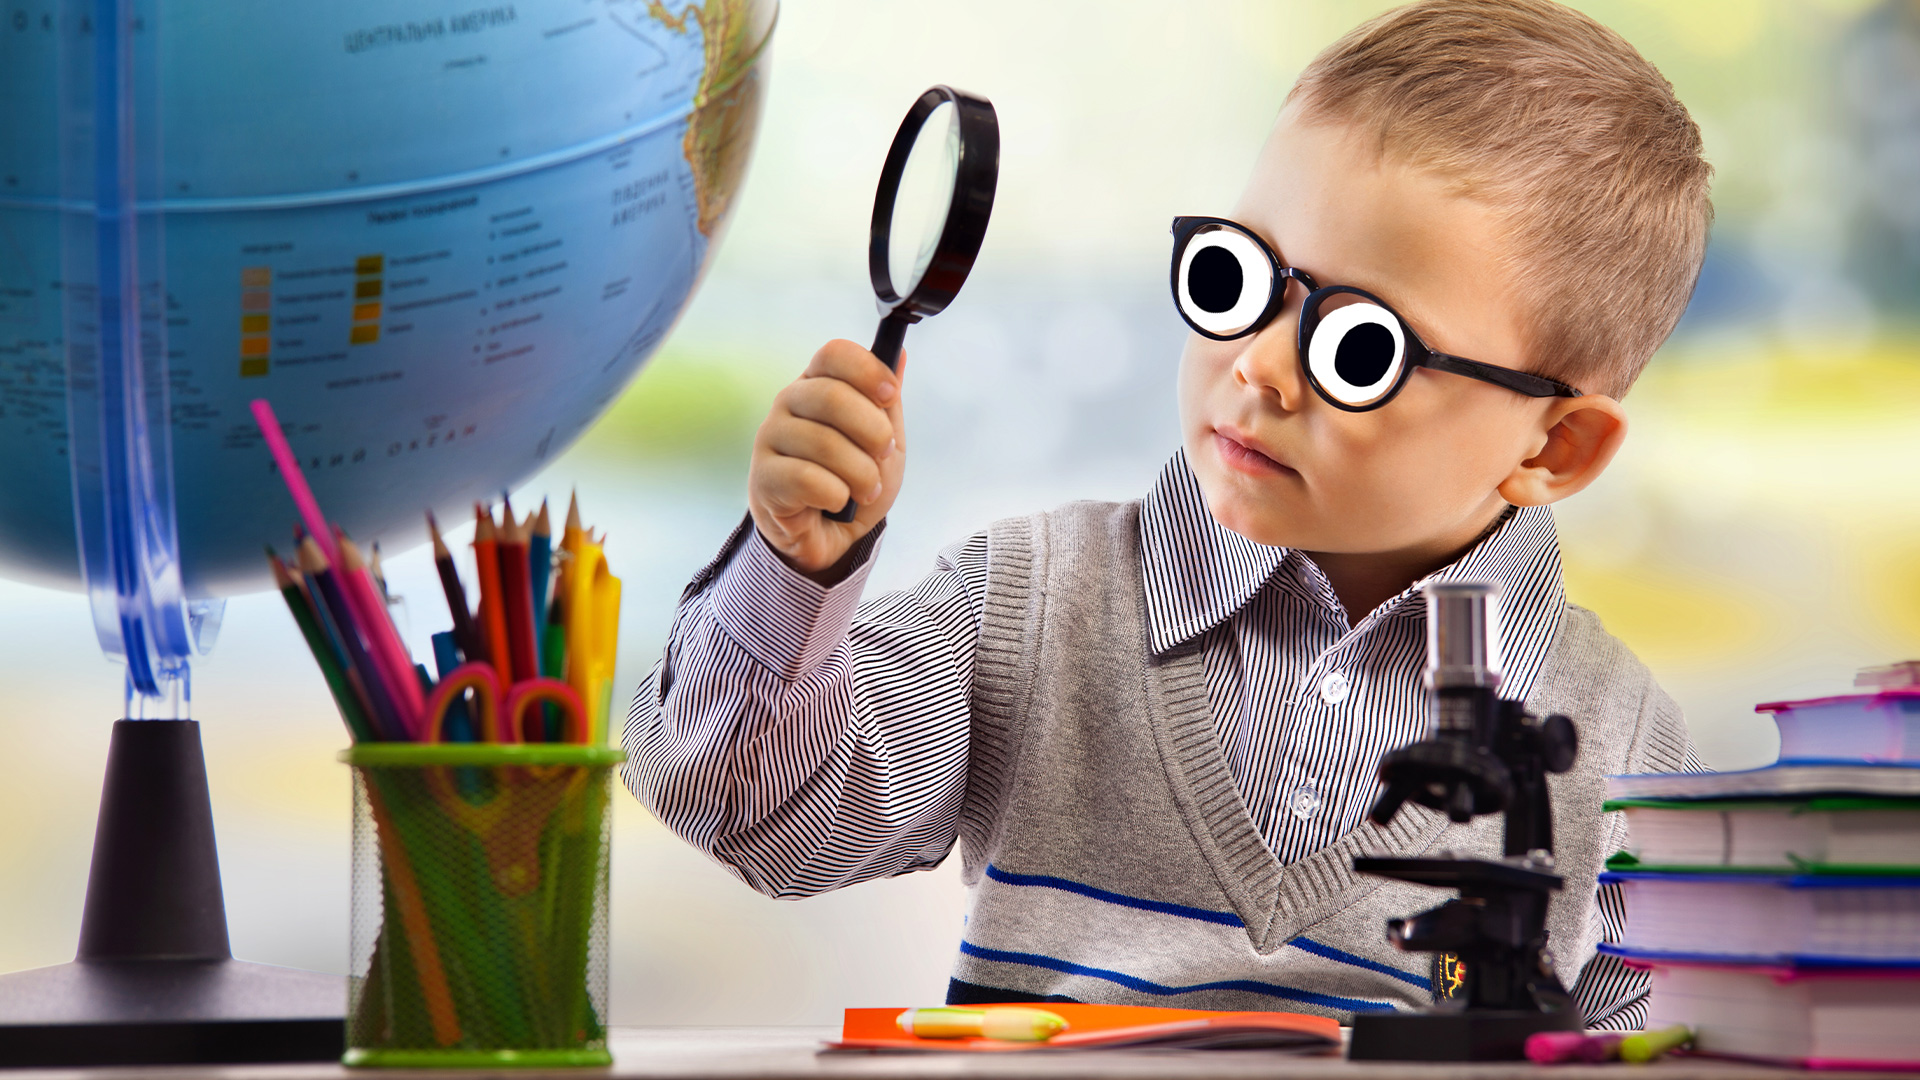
[(438, 241)]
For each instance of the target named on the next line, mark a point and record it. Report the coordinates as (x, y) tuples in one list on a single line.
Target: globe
[(438, 239)]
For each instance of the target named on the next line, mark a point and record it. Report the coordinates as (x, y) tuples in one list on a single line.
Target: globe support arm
[(118, 410)]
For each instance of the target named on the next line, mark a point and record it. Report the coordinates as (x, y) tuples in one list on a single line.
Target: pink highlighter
[(1558, 1047)]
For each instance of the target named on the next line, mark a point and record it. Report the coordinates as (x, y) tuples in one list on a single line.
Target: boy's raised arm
[(803, 744)]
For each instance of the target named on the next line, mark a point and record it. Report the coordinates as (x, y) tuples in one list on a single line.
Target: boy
[(1153, 727)]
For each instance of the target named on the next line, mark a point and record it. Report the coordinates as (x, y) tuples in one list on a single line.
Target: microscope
[(1485, 755)]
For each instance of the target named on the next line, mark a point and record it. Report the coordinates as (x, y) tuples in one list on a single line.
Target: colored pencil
[(332, 666), (540, 566), (465, 633), (384, 715), (516, 590), (446, 658), (379, 575), (321, 613), (553, 661), (486, 557), (446, 654), (565, 559), (296, 480), (383, 641), (425, 950), (553, 665), (570, 534)]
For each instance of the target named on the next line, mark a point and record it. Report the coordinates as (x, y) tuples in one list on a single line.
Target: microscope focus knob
[(1559, 743)]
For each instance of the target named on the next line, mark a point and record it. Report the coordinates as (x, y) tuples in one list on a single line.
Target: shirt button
[(1304, 802), (1334, 688)]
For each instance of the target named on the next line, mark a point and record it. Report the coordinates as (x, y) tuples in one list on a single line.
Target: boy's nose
[(1269, 366)]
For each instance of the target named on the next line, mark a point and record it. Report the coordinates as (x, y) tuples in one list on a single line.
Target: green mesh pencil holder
[(479, 904)]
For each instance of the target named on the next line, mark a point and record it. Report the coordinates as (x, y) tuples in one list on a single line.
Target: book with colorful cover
[(1103, 1027), (1881, 727), (1772, 782), (1820, 1019), (1806, 919), (1849, 835)]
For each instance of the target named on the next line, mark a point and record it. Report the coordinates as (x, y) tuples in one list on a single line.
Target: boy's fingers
[(796, 488), (858, 368), (840, 406), (832, 451)]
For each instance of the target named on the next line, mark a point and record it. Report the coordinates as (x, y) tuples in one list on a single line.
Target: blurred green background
[(1756, 540)]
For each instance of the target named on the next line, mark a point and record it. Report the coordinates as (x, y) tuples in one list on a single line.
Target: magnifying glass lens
[(921, 202)]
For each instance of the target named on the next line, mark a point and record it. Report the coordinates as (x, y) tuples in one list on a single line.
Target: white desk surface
[(747, 1053)]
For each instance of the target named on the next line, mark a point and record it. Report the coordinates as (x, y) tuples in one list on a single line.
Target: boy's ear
[(1581, 436)]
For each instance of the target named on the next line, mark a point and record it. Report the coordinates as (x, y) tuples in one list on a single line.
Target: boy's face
[(1418, 475)]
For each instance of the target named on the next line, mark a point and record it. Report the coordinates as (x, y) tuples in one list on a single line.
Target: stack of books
[(1779, 908)]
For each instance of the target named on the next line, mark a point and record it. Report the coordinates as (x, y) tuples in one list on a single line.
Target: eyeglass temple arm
[(1518, 381)]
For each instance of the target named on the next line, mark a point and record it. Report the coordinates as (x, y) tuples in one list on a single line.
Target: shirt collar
[(1199, 573)]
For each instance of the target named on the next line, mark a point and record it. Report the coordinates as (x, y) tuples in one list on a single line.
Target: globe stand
[(154, 981)]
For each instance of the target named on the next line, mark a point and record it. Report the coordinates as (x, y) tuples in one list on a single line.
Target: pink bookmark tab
[(296, 480)]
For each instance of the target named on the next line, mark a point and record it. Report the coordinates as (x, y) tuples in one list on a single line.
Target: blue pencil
[(446, 657), (540, 561)]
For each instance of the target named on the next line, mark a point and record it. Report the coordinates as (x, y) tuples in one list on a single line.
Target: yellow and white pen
[(1010, 1023)]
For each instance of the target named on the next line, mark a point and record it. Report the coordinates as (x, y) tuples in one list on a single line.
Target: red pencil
[(516, 587), (486, 558)]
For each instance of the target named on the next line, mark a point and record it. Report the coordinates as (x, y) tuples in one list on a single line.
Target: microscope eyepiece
[(1463, 635)]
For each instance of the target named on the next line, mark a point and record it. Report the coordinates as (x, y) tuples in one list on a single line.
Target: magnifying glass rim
[(974, 177)]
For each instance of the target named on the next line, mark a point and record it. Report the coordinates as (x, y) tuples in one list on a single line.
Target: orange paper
[(1109, 1026)]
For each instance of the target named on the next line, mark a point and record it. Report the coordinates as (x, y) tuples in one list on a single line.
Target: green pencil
[(553, 665), (330, 669)]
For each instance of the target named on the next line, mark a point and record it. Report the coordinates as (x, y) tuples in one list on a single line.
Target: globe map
[(439, 239)]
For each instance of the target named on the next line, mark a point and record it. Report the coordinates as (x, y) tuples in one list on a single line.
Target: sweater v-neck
[(1275, 902)]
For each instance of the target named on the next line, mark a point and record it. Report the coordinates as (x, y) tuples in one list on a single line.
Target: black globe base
[(154, 981), (155, 1012), (1453, 1034)]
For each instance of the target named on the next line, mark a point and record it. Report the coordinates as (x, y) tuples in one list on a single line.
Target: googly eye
[(1357, 353), (1223, 282)]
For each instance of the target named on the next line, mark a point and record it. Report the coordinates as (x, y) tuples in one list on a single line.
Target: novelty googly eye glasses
[(1357, 352)]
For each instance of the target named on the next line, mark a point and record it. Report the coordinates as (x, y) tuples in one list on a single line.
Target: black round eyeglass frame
[(1419, 354)]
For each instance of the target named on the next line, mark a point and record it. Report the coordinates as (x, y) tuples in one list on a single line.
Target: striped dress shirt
[(806, 740)]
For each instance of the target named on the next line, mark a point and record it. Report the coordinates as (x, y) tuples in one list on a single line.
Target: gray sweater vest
[(1107, 851)]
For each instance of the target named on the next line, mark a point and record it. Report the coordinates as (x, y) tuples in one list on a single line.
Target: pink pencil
[(383, 638), (375, 625), (296, 480)]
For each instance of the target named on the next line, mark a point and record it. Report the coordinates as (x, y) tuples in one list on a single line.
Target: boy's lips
[(1240, 452)]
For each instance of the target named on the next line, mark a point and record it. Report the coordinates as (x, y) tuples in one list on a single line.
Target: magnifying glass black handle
[(886, 345), (890, 337)]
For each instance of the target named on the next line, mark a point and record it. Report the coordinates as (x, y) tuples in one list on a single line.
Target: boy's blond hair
[(1575, 138)]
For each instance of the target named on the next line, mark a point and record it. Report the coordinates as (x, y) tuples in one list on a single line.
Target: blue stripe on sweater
[(1345, 957), (1287, 993), (1007, 877), (1223, 918)]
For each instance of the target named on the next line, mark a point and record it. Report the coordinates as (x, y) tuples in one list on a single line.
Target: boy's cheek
[(1263, 516), (1189, 389)]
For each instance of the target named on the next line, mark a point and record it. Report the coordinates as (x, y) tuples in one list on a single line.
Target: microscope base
[(1453, 1034)]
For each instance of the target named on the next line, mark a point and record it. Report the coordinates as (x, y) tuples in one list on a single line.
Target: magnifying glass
[(929, 214)]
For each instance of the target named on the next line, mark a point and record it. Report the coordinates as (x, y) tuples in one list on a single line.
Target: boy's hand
[(833, 433)]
